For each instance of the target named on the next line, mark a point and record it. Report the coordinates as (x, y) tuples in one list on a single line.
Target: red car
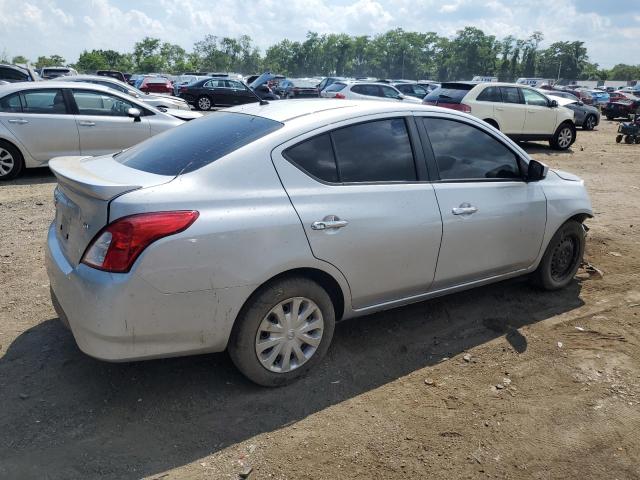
[(583, 95), (157, 85)]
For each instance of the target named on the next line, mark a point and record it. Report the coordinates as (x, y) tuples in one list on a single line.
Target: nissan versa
[(255, 229)]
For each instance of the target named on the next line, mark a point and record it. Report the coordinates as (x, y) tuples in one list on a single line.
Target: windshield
[(197, 143)]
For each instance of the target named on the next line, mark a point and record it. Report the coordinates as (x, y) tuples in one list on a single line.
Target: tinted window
[(449, 93), (43, 101), (377, 151), (335, 87), (419, 91), (389, 92), (315, 156), (490, 94), (13, 75), (197, 143), (465, 152), (10, 104), (103, 104), (534, 98), (510, 94), (370, 90)]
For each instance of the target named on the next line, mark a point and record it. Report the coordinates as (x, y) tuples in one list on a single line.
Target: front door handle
[(87, 123), (464, 209), (19, 121), (329, 222)]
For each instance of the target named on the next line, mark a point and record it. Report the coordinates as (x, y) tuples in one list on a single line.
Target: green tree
[(19, 59), (147, 56), (625, 72)]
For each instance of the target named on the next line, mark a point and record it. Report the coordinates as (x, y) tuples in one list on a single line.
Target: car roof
[(21, 86), (288, 111)]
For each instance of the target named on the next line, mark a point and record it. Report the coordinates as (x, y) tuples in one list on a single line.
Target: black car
[(621, 108), (297, 88), (14, 73), (209, 93)]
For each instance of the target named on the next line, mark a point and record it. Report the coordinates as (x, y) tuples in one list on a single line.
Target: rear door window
[(11, 104), (490, 94), (315, 157), (43, 101), (464, 152), (510, 95), (197, 143)]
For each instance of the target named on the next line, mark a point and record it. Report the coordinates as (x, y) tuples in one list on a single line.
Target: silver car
[(41, 120), (155, 100), (256, 228)]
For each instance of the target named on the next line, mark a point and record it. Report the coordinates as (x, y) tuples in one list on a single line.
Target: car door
[(42, 121), (540, 118), (104, 124), (240, 94), (493, 222), (367, 209), (510, 112)]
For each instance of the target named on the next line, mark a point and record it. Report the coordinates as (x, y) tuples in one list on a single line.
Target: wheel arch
[(493, 123)]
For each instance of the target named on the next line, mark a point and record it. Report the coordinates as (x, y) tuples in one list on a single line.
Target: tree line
[(393, 54)]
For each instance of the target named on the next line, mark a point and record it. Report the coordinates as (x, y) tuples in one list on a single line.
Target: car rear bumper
[(121, 317)]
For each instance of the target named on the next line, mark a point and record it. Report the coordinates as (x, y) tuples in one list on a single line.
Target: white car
[(355, 90), (156, 100), (42, 120), (520, 112)]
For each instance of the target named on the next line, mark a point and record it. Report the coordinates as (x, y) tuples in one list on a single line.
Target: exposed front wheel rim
[(564, 258), (204, 103), (564, 137), (7, 162), (289, 335), (590, 122)]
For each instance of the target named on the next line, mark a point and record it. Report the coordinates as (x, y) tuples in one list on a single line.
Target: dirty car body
[(253, 212)]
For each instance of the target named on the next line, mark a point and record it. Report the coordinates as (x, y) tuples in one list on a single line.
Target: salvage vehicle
[(211, 93), (156, 85), (254, 229), (16, 73), (621, 108), (155, 100), (297, 88), (42, 120), (49, 73), (517, 110), (362, 90), (585, 116)]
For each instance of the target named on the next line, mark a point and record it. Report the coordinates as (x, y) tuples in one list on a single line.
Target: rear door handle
[(464, 209), (19, 121), (87, 123), (328, 224)]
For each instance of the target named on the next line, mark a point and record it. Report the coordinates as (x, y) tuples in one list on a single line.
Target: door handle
[(19, 121), (86, 123), (531, 111), (464, 209), (500, 109), (328, 224)]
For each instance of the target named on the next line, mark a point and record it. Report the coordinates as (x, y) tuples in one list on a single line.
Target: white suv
[(520, 112), (354, 90)]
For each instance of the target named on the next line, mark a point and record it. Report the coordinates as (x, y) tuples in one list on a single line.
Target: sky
[(32, 28)]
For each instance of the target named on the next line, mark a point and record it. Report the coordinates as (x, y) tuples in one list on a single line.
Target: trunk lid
[(86, 186)]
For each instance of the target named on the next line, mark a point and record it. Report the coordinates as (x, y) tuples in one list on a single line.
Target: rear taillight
[(117, 246), (461, 107), (340, 95)]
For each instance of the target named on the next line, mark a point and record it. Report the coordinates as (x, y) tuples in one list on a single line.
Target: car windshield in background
[(196, 144), (449, 93)]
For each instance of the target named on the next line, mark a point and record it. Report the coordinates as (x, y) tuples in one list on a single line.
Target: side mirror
[(536, 171), (553, 104), (401, 97), (135, 114), (580, 104)]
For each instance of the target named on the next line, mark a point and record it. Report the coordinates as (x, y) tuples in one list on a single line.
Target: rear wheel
[(618, 138), (492, 123), (589, 122), (282, 332), (562, 258), (563, 138), (204, 103), (628, 139), (11, 161)]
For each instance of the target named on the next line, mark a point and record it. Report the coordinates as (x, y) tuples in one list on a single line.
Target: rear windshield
[(197, 143), (449, 93), (335, 87)]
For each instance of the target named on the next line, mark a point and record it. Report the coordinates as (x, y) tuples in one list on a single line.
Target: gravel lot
[(498, 382)]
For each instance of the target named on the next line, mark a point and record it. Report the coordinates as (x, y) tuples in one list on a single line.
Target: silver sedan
[(255, 229), (42, 120)]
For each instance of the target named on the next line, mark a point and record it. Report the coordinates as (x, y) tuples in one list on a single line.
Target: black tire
[(618, 138), (564, 137), (628, 139), (562, 258), (637, 140), (242, 343), (203, 102), (589, 122), (11, 161)]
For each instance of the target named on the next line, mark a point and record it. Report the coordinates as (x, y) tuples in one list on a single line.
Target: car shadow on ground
[(65, 415), (542, 148), (32, 176)]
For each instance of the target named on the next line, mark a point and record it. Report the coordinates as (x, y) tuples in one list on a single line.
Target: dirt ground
[(499, 382)]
